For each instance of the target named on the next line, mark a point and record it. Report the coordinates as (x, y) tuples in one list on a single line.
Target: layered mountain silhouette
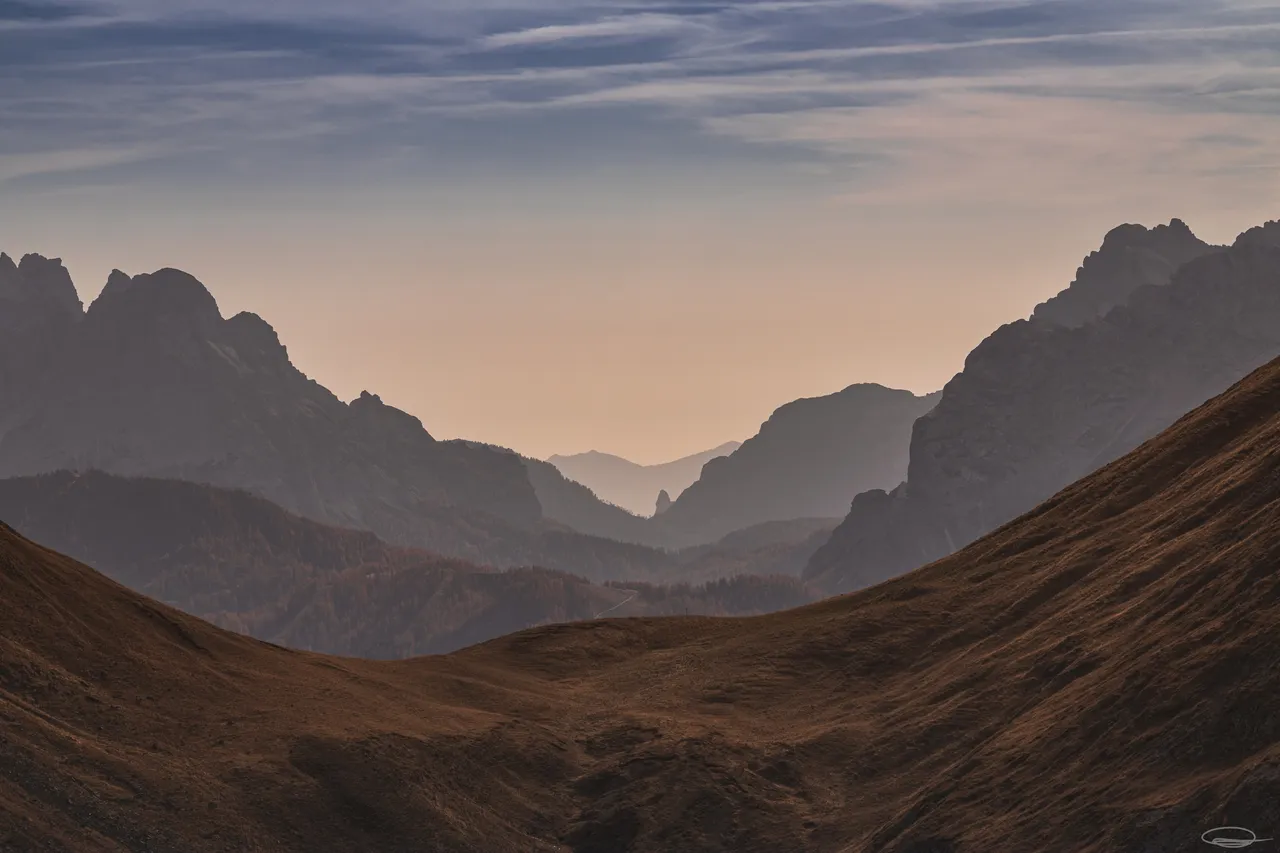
[(152, 381), (245, 564), (636, 487), (577, 507), (1094, 675), (808, 460), (1155, 323)]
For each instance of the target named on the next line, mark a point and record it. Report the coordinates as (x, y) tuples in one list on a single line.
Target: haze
[(559, 226)]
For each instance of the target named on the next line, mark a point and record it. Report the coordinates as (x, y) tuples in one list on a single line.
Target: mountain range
[(1156, 323), (151, 381), (635, 487), (1094, 675)]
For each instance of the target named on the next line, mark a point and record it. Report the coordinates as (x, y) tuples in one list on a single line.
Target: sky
[(637, 227)]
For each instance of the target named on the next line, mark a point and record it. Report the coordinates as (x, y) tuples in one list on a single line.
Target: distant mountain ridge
[(632, 486), (1045, 401), (808, 460)]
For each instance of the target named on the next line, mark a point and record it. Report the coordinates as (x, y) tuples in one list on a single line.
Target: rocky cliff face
[(1040, 404), (152, 381), (808, 461)]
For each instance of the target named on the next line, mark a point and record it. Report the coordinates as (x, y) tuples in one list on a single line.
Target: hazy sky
[(631, 226)]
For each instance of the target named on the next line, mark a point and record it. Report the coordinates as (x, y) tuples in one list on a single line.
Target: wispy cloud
[(14, 167), (906, 87), (612, 28)]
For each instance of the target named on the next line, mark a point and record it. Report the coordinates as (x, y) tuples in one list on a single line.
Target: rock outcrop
[(663, 503), (1041, 403)]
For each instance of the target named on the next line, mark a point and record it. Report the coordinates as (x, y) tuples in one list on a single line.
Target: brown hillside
[(1098, 675)]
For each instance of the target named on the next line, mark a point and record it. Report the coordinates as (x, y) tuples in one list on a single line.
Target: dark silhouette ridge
[(1093, 675), (1040, 404), (807, 461)]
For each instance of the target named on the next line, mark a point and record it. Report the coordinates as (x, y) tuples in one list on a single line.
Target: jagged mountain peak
[(167, 291), (39, 281), (1040, 404), (1267, 234), (1131, 256)]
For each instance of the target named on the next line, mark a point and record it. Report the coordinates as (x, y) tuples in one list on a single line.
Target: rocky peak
[(39, 311), (1267, 234), (40, 284), (1131, 256), (52, 281), (165, 293), (663, 504)]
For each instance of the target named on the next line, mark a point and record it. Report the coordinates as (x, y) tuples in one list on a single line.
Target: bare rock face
[(663, 504), (38, 310), (1040, 404), (807, 461), (152, 381), (1131, 257)]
